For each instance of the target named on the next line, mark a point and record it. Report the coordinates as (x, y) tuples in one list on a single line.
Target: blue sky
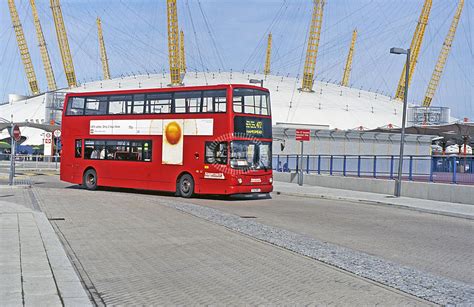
[(231, 34)]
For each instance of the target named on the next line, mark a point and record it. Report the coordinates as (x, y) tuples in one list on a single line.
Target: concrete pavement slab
[(26, 268)]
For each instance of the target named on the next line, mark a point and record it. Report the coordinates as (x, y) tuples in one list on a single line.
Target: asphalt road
[(437, 244)]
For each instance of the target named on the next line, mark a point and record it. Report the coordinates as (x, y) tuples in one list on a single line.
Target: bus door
[(77, 160)]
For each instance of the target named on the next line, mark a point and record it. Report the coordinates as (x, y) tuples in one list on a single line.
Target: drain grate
[(248, 217), (56, 219)]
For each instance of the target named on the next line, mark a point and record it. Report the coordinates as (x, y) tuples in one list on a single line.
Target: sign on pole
[(16, 133), (303, 135), (57, 133), (48, 144)]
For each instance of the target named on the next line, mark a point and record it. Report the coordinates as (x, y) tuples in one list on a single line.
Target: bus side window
[(96, 105), (75, 106), (215, 153), (78, 151)]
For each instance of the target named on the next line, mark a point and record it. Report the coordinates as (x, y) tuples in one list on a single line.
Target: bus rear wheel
[(186, 186), (89, 181)]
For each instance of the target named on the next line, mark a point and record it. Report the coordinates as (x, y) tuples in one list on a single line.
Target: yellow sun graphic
[(173, 133)]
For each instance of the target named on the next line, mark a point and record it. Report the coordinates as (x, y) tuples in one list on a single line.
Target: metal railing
[(445, 169), (29, 162)]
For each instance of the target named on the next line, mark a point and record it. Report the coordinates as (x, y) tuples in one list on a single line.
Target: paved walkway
[(34, 269), (431, 206)]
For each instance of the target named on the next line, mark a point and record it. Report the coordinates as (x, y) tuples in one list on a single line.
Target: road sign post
[(57, 135), (301, 135), (15, 137)]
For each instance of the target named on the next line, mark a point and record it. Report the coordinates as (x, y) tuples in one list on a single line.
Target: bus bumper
[(249, 189)]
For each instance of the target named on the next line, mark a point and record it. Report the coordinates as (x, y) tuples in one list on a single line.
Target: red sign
[(302, 134), (16, 133)]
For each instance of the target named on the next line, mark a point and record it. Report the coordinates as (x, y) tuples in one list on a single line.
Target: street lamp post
[(398, 181)]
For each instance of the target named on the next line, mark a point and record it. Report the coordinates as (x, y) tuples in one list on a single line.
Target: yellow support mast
[(103, 52), (266, 70), (415, 47), (313, 45), (443, 56), (63, 43), (24, 52), (173, 42), (182, 55), (348, 67), (48, 69)]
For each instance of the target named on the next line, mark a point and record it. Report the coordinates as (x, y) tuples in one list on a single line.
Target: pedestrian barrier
[(29, 162), (443, 169)]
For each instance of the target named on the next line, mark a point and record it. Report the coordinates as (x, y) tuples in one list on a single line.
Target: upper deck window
[(96, 105), (120, 104), (210, 101), (251, 101), (75, 106)]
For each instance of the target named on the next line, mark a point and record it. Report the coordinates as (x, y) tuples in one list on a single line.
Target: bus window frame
[(147, 107)]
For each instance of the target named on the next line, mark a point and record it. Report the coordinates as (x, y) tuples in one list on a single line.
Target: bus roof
[(167, 89)]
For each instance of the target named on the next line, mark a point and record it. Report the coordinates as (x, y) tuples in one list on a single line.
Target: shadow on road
[(236, 197)]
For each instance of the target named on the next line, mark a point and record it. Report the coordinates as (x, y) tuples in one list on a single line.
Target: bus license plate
[(255, 190)]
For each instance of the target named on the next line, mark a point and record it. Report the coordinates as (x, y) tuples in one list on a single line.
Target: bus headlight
[(239, 180), (270, 180)]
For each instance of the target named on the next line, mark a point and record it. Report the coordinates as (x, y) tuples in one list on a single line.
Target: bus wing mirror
[(282, 146)]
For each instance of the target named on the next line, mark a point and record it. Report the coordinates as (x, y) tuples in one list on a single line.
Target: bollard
[(344, 166), (330, 165), (319, 164), (392, 161), (358, 166), (375, 166), (454, 169), (410, 174)]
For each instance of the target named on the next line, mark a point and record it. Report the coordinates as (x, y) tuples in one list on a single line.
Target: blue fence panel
[(446, 169)]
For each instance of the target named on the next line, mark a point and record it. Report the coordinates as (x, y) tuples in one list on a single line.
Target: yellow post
[(24, 52), (313, 45), (48, 69), (182, 55), (266, 70), (103, 51), (348, 67), (63, 43), (415, 47), (443, 56), (173, 42)]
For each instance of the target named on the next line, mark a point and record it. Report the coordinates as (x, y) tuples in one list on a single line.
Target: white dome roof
[(329, 105)]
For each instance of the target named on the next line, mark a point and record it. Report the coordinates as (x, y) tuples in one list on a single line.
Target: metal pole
[(300, 175), (398, 181), (12, 157), (56, 151)]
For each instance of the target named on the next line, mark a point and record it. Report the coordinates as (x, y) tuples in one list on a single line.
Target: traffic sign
[(57, 133), (302, 135), (16, 133)]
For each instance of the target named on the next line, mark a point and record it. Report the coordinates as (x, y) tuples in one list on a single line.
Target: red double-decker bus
[(188, 140)]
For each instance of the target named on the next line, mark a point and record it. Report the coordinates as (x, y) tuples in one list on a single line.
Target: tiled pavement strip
[(34, 269)]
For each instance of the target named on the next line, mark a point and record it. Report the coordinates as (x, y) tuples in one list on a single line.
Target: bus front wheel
[(90, 179), (186, 186)]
